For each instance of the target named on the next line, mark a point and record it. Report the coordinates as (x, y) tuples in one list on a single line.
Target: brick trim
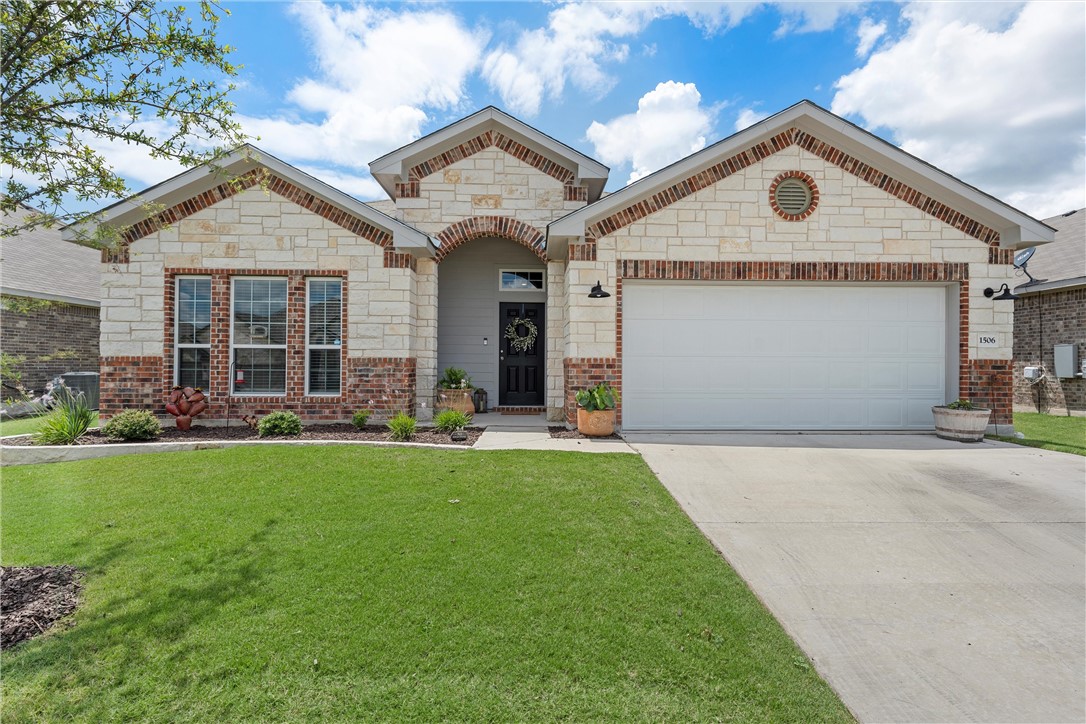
[(582, 252), (274, 184), (805, 178), (758, 152), (397, 260), (483, 141), (475, 227), (989, 382)]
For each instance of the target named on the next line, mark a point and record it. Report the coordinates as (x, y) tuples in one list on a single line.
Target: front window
[(323, 336), (520, 280), (259, 336), (192, 330)]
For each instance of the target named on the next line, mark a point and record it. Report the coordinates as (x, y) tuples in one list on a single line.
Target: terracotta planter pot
[(599, 423), (960, 425), (459, 400)]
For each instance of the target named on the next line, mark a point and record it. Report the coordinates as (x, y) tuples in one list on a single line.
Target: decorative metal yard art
[(186, 403)]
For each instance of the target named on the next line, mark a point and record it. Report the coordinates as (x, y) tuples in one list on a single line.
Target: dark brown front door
[(520, 374)]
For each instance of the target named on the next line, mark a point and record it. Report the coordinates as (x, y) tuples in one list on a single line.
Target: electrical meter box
[(1066, 360)]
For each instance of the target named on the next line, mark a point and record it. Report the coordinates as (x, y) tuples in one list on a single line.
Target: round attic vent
[(793, 195)]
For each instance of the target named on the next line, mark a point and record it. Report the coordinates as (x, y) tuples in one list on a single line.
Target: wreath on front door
[(518, 342)]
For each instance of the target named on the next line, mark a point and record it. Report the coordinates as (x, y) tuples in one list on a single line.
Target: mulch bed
[(33, 599), (241, 431), (564, 433)]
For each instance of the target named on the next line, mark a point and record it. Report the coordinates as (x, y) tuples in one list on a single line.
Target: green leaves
[(600, 397), (75, 73)]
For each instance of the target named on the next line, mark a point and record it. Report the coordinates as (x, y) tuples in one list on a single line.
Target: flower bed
[(372, 433)]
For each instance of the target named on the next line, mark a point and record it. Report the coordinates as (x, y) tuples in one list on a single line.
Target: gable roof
[(206, 182), (1062, 264), (838, 141), (396, 167), (37, 263)]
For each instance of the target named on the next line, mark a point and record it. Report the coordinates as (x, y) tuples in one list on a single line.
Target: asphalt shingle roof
[(38, 263), (1063, 262)]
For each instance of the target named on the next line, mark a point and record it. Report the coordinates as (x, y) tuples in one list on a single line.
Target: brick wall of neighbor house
[(856, 225), (53, 339), (1042, 321), (264, 233)]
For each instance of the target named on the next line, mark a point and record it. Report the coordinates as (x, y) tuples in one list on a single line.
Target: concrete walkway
[(929, 581), (532, 437)]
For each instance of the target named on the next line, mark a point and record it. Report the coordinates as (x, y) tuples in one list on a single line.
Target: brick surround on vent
[(411, 188), (383, 385), (477, 227), (759, 152), (988, 382), (805, 178)]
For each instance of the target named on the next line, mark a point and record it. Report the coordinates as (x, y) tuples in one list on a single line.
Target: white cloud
[(748, 117), (379, 72), (868, 33), (670, 123), (582, 38), (991, 93), (362, 186)]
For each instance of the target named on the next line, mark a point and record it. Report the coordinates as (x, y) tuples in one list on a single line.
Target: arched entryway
[(484, 284)]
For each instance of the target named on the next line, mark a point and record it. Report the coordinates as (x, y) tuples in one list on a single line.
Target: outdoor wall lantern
[(597, 292), (1004, 294)]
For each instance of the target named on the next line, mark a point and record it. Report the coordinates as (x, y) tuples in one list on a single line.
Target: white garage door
[(703, 356)]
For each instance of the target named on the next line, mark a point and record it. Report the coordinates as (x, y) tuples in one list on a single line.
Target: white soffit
[(393, 167), (1016, 228), (202, 178)]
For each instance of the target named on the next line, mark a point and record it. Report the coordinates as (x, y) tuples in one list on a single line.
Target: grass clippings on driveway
[(1051, 432), (391, 584)]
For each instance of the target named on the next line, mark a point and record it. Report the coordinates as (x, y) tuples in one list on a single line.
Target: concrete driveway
[(927, 580)]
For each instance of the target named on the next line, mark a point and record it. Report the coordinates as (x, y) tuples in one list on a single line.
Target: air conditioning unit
[(1032, 373), (85, 382)]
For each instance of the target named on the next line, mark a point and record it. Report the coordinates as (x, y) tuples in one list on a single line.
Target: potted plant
[(596, 410), (455, 391), (961, 420)]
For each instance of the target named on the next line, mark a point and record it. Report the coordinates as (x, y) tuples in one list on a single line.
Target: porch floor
[(496, 419)]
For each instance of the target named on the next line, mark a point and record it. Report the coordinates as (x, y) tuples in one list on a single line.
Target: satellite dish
[(1020, 260)]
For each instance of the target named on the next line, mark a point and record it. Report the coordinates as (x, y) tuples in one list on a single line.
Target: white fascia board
[(76, 301), (201, 178), (393, 167), (1016, 228)]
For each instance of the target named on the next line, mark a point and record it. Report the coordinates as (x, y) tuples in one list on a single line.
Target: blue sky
[(994, 93)]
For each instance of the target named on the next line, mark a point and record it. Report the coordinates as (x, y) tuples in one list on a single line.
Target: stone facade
[(730, 230), (53, 338), (1041, 321)]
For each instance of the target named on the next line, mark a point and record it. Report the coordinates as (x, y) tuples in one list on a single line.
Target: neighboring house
[(800, 274), (1053, 313), (50, 303)]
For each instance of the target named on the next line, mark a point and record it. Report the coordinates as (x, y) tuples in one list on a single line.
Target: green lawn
[(395, 584), (22, 426), (1051, 432)]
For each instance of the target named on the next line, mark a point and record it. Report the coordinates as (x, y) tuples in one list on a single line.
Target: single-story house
[(1050, 317), (50, 302), (800, 274)]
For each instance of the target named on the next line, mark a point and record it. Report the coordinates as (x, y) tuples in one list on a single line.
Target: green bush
[(451, 420), (279, 423), (454, 378), (962, 404), (360, 418), (133, 425), (401, 427), (600, 397), (67, 422)]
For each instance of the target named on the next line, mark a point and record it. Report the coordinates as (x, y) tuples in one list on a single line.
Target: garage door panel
[(708, 356)]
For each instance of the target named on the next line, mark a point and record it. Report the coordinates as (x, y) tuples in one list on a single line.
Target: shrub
[(401, 427), (360, 418), (451, 420), (962, 404), (454, 378), (600, 397), (67, 422), (133, 425), (279, 423)]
